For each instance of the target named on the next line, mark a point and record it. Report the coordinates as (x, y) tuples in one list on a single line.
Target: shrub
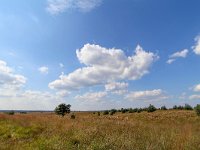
[(98, 113), (139, 110), (73, 116), (197, 109), (131, 110), (175, 107), (106, 112), (188, 107), (10, 112), (163, 108), (23, 112), (180, 107), (151, 108), (113, 111)]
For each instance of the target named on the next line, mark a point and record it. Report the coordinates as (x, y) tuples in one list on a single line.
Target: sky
[(99, 54)]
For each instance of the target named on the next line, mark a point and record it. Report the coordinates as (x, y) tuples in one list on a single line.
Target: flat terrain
[(160, 130)]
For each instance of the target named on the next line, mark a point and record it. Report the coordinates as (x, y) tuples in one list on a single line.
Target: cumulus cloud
[(10, 82), (103, 66), (197, 88), (180, 54), (196, 47), (58, 6), (117, 87), (44, 70), (152, 95), (92, 96)]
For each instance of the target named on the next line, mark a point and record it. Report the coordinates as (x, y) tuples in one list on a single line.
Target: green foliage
[(197, 109), (188, 107), (113, 111), (151, 108), (106, 112), (72, 116), (62, 109), (139, 110), (175, 107), (10, 112), (163, 108)]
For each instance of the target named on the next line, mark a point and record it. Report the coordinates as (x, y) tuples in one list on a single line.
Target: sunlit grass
[(163, 130)]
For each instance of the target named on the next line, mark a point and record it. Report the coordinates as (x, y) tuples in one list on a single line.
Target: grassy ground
[(160, 130)]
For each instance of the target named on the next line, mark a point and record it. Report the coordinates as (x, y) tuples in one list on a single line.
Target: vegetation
[(166, 130), (151, 108), (10, 112), (72, 116), (106, 112), (62, 109), (163, 108), (197, 109)]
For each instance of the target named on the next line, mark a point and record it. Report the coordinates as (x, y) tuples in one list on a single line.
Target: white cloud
[(197, 88), (180, 54), (61, 65), (105, 65), (196, 47), (58, 6), (30, 100), (117, 87), (152, 95), (44, 70), (169, 61), (193, 97), (9, 81), (92, 97)]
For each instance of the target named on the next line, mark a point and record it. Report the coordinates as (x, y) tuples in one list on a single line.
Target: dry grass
[(161, 130)]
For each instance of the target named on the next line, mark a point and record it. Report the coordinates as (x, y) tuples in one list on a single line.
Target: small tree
[(163, 108), (197, 109), (175, 107), (62, 109), (151, 108), (188, 107)]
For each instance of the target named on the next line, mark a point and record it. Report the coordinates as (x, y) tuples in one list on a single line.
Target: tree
[(188, 107), (62, 109), (151, 108), (163, 108)]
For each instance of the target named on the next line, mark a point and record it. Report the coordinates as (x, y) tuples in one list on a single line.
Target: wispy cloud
[(179, 54), (58, 6)]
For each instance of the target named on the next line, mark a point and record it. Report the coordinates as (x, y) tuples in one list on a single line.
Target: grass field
[(160, 130)]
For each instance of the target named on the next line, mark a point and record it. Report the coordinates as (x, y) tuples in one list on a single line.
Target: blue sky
[(99, 54)]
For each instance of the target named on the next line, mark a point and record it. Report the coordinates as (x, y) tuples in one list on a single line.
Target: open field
[(160, 130)]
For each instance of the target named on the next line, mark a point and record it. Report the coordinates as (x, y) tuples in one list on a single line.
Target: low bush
[(72, 116), (10, 112), (106, 112)]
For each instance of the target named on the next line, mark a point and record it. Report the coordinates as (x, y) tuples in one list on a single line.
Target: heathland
[(159, 130)]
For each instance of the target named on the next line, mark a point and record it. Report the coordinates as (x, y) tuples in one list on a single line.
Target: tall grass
[(163, 130)]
